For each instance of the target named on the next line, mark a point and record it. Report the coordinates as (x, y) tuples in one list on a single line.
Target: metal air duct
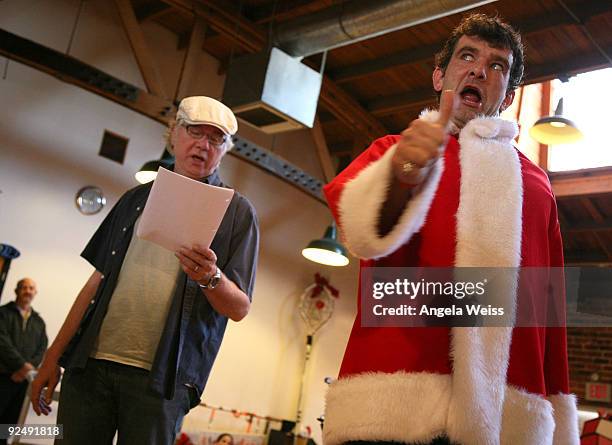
[(351, 21)]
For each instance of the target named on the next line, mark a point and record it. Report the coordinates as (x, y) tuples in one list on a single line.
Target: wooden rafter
[(378, 64), (395, 103), (75, 72), (589, 227), (253, 38), (189, 71), (287, 10), (597, 216), (425, 53), (148, 68), (423, 96), (589, 182), (544, 111), (593, 211), (323, 151), (150, 11), (605, 247)]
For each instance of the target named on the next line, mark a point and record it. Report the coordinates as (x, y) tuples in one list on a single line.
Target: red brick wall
[(589, 351)]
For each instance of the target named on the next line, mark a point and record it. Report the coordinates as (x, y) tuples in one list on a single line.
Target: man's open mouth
[(198, 158), (471, 95)]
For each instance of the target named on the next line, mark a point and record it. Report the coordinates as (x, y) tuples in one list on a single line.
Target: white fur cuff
[(361, 203), (566, 419), (397, 407)]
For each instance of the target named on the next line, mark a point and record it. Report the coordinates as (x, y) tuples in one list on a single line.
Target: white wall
[(49, 138)]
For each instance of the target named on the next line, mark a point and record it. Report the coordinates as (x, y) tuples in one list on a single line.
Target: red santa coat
[(484, 205)]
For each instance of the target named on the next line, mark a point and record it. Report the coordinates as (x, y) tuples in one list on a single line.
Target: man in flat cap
[(140, 340)]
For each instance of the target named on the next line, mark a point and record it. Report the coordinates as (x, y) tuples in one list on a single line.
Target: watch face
[(90, 200)]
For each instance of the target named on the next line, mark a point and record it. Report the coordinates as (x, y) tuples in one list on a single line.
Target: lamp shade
[(327, 250), (148, 172), (553, 130)]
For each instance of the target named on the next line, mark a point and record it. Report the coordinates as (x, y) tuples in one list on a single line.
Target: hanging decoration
[(249, 417), (317, 304), (316, 307)]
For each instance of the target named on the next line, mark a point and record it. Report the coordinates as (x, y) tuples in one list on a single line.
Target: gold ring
[(408, 167), (196, 268)]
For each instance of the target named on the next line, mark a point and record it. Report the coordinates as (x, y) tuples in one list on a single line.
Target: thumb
[(447, 105)]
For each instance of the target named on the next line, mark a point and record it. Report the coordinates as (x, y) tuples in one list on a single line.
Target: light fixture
[(327, 250), (553, 130), (148, 172)]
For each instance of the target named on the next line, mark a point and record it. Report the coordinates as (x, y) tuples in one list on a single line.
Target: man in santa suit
[(452, 190)]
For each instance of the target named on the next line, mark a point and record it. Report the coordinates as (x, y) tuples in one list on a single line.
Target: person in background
[(23, 342), (141, 338), (224, 439)]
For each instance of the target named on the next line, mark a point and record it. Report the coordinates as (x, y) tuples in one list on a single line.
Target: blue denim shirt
[(193, 331)]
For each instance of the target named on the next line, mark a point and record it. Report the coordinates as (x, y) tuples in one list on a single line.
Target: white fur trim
[(566, 419), (527, 419), (389, 407), (361, 202), (489, 217), (412, 407), (488, 235)]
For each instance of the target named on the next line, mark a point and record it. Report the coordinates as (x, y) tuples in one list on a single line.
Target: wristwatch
[(213, 280)]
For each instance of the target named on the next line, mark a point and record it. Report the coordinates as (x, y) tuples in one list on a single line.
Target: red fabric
[(538, 356)]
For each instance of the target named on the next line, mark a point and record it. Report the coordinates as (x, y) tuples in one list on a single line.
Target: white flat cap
[(202, 110)]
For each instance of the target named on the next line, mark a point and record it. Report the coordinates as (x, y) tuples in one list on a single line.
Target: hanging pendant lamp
[(554, 130), (148, 172), (327, 250)]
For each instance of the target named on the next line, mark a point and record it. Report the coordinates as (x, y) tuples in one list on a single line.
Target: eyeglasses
[(197, 132)]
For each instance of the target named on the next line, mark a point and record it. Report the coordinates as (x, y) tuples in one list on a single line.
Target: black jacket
[(19, 345)]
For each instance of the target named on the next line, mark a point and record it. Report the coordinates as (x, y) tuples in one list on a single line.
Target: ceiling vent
[(272, 91)]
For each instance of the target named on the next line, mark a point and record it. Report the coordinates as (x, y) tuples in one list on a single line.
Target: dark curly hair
[(494, 31)]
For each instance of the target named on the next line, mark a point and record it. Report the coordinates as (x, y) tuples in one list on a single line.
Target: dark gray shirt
[(193, 330)]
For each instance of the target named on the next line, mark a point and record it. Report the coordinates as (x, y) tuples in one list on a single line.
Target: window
[(587, 99)]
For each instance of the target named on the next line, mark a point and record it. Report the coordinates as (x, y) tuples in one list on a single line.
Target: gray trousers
[(108, 397)]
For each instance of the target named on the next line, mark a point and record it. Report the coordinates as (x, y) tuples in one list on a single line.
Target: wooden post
[(148, 68)]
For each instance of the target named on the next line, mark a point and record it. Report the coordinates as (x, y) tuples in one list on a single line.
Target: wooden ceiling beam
[(589, 226), (73, 71), (424, 54), (605, 247), (582, 184), (151, 11), (253, 38), (148, 68), (189, 68), (591, 209), (227, 22), (395, 103), (323, 151), (581, 258), (341, 148), (378, 64), (264, 14), (569, 263), (398, 103), (571, 66)]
